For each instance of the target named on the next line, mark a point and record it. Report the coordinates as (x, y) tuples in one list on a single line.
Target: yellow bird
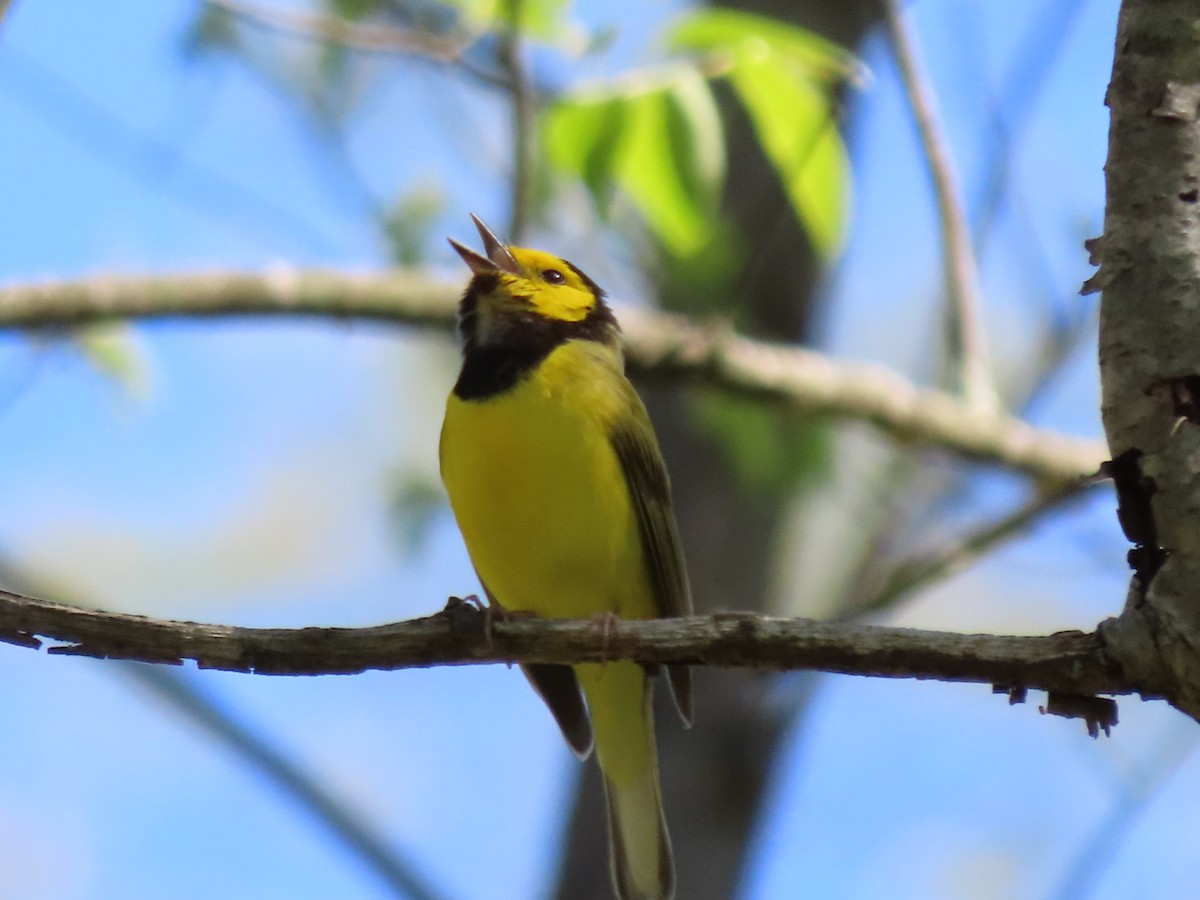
[(561, 494)]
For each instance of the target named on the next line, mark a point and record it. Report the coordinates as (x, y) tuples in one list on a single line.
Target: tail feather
[(638, 843), (619, 696)]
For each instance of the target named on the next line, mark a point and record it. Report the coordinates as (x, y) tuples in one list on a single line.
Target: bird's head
[(518, 295)]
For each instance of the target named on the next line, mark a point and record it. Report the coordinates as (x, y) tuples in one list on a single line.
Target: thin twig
[(366, 38), (111, 138), (1084, 874), (657, 346), (893, 493), (967, 340), (873, 590), (392, 867), (929, 567), (511, 57), (363, 38), (399, 874), (1068, 663), (1037, 54)]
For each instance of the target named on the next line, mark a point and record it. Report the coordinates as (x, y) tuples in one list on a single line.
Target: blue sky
[(246, 479)]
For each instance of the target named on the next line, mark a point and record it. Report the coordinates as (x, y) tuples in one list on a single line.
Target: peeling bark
[(1150, 339)]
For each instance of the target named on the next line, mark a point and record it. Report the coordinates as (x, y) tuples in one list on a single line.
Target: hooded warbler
[(559, 488)]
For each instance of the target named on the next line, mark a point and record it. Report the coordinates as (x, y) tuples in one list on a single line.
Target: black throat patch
[(499, 365)]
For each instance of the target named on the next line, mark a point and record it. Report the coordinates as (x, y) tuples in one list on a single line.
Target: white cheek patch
[(487, 325), (492, 325)]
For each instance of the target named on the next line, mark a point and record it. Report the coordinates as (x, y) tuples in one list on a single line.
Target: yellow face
[(554, 287)]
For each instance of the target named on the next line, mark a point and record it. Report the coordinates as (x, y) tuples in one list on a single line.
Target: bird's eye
[(553, 276)]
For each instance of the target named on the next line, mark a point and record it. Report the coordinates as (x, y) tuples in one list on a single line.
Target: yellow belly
[(543, 506), (539, 494)]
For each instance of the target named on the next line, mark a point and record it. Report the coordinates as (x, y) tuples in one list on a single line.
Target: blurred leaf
[(784, 77), (113, 353), (667, 163), (704, 282), (601, 40), (416, 501), (658, 141), (696, 139), (353, 9), (333, 64), (212, 29), (542, 20), (804, 145), (770, 451), (410, 222), (582, 137), (724, 29)]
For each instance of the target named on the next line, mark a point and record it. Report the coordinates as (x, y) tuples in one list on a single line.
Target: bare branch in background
[(370, 37), (373, 37), (1091, 863), (884, 575), (251, 745), (511, 58), (657, 346), (1068, 663), (129, 148), (966, 338), (381, 859), (1009, 109), (907, 576)]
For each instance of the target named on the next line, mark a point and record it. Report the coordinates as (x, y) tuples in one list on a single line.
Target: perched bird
[(561, 494)]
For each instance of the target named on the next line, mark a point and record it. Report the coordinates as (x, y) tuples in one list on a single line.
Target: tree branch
[(1071, 663), (657, 345), (269, 758), (936, 564), (370, 37), (967, 340), (511, 56)]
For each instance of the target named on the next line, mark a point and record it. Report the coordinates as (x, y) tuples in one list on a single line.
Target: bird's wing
[(560, 691), (650, 491)]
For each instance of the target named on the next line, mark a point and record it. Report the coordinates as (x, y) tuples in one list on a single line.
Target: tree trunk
[(1150, 339)]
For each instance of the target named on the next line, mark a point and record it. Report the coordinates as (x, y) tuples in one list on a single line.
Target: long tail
[(619, 696)]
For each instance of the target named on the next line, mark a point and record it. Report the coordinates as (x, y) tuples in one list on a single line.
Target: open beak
[(498, 256)]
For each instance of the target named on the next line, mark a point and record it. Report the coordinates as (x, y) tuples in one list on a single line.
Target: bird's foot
[(473, 606), (453, 604)]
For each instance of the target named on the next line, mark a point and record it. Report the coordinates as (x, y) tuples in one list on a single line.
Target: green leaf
[(697, 141), (416, 503), (112, 351), (784, 77), (409, 223), (724, 29), (769, 451), (658, 142), (796, 127), (212, 30), (583, 137), (542, 20), (353, 9), (671, 168)]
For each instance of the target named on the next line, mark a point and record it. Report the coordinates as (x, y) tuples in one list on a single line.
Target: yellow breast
[(539, 494)]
